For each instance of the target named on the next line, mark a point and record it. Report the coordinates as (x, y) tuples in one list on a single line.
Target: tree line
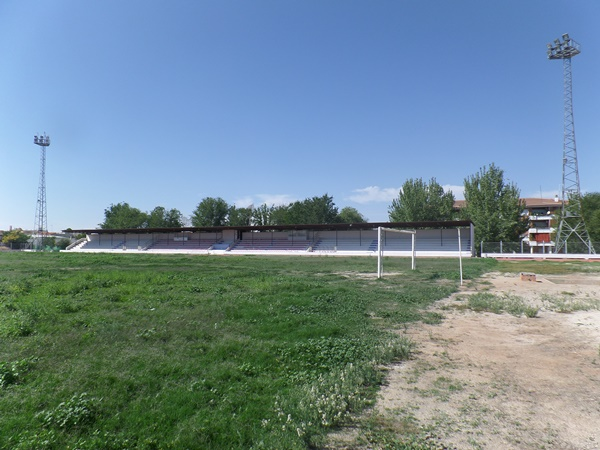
[(17, 239), (492, 203), (216, 212)]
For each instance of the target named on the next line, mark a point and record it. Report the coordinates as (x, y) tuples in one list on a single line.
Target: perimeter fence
[(522, 247)]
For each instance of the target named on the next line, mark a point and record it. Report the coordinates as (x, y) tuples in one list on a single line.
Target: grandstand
[(432, 239)]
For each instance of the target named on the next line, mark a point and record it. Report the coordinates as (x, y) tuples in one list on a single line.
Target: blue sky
[(163, 103)]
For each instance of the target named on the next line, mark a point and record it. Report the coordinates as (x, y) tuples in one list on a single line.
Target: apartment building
[(541, 214)]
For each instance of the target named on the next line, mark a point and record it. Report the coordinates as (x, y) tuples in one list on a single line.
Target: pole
[(414, 251), (460, 258), (379, 262)]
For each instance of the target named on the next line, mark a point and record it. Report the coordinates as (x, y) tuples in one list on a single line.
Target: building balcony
[(548, 230), (542, 217)]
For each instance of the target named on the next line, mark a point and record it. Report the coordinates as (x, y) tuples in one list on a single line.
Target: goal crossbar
[(380, 231)]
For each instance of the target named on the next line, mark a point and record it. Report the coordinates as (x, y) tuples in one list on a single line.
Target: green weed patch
[(498, 304)]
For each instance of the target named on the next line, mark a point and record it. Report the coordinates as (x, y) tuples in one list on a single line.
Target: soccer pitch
[(148, 351)]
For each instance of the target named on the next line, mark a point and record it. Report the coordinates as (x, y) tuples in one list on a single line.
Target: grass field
[(156, 352)]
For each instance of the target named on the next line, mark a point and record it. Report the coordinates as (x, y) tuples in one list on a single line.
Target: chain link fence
[(522, 247)]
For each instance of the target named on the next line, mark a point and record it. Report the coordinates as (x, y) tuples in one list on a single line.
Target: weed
[(565, 303), (13, 372), (511, 304), (432, 318), (147, 333), (77, 412), (16, 324), (449, 384)]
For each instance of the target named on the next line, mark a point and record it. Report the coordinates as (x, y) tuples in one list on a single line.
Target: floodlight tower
[(41, 220), (571, 222)]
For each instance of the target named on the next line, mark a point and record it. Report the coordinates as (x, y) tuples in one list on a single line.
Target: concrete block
[(525, 276)]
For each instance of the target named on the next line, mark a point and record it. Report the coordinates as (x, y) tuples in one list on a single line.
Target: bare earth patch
[(497, 381)]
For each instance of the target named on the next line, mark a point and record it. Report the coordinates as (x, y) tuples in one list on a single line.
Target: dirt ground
[(481, 380), (497, 381)]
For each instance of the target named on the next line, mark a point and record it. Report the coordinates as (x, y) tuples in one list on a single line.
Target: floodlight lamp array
[(563, 50), (42, 140)]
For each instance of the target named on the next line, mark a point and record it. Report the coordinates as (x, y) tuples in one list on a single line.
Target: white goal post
[(380, 231)]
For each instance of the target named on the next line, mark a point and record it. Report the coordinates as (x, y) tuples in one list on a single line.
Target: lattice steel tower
[(571, 225), (41, 220)]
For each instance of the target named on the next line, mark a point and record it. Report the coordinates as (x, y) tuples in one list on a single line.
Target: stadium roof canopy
[(312, 227)]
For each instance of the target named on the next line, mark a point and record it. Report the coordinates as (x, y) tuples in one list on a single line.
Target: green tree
[(239, 217), (15, 238), (419, 201), (274, 215), (63, 243), (590, 210), (279, 215), (261, 215), (348, 214), (160, 217), (122, 215), (315, 210), (210, 212), (270, 215), (494, 206)]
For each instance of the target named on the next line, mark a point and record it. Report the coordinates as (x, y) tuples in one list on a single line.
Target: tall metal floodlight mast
[(41, 220), (571, 222)]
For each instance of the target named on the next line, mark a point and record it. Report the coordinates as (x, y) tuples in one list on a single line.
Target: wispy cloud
[(372, 194), (267, 199), (458, 191), (275, 199), (375, 194), (243, 202)]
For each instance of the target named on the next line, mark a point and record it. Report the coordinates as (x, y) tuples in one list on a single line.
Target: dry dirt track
[(496, 381)]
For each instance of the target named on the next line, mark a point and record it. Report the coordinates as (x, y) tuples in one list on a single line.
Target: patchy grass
[(403, 434), (168, 351), (498, 304), (548, 267), (566, 303)]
